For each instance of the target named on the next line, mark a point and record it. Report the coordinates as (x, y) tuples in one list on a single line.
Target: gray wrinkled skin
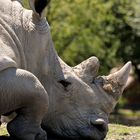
[(82, 108), (79, 100)]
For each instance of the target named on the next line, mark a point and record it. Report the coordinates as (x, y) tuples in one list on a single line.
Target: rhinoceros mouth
[(96, 132), (93, 132)]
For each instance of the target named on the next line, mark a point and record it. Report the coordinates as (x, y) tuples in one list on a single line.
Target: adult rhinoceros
[(79, 100)]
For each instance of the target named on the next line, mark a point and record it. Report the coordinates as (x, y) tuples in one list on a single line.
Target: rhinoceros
[(80, 101)]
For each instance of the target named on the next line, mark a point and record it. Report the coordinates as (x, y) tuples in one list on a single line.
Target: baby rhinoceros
[(79, 100)]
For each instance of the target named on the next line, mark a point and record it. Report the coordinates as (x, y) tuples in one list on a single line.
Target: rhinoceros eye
[(99, 80), (64, 83)]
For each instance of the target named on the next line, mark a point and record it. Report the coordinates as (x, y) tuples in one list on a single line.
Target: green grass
[(3, 130), (116, 132), (122, 132)]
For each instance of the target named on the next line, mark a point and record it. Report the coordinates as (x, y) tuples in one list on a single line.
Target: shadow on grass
[(6, 138), (9, 138), (126, 117)]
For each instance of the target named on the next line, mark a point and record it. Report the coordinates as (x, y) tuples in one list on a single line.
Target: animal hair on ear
[(40, 5)]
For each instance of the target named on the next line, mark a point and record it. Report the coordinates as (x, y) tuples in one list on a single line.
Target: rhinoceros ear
[(88, 69), (38, 6)]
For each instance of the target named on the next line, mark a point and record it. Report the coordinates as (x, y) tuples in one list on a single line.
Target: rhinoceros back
[(9, 54), (11, 51)]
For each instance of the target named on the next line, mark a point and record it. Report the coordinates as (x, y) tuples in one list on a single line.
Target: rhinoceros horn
[(122, 75), (111, 86), (114, 84), (88, 69)]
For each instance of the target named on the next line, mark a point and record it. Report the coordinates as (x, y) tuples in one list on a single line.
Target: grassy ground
[(3, 131), (122, 132), (116, 132)]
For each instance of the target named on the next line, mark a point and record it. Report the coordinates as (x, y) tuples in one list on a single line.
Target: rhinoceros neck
[(53, 64), (53, 67)]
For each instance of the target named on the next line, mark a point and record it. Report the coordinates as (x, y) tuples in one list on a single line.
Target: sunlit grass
[(121, 132), (26, 3), (3, 130)]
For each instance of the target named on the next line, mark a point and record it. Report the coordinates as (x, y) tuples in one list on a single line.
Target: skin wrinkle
[(68, 132), (79, 120), (74, 120), (16, 39), (6, 35), (12, 36)]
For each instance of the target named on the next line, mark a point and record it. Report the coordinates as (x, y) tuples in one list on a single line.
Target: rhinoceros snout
[(97, 130), (100, 125)]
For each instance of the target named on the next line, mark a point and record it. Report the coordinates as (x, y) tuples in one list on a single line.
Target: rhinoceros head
[(81, 101)]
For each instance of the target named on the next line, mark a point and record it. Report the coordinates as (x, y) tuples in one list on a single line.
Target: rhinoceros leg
[(22, 92)]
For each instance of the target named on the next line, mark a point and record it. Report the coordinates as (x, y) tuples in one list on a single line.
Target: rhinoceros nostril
[(100, 125)]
